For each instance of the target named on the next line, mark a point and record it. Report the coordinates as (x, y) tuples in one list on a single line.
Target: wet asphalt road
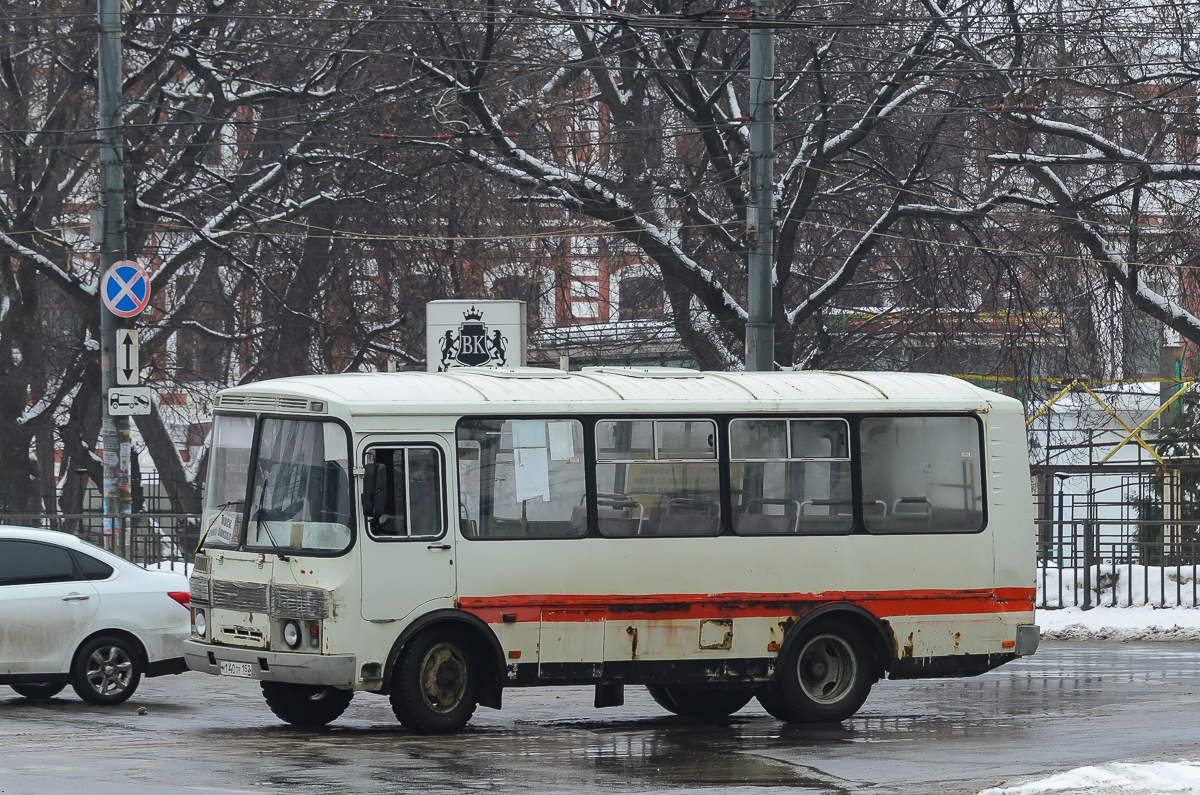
[(1072, 704)]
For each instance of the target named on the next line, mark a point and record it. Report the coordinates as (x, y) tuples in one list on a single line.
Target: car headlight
[(291, 634), (198, 623)]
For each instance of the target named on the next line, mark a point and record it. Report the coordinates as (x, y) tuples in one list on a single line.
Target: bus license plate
[(236, 669)]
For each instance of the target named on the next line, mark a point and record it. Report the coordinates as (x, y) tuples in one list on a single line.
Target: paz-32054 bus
[(716, 537)]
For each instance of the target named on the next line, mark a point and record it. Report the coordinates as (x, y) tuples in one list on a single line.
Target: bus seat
[(754, 521), (675, 524), (686, 516), (615, 522), (911, 515), (767, 523), (617, 515), (578, 525)]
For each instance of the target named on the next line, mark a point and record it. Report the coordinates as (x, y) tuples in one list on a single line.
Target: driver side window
[(403, 492)]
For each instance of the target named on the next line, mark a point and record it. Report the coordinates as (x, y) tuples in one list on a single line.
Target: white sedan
[(71, 612)]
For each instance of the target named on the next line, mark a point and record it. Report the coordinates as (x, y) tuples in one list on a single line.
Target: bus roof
[(601, 389)]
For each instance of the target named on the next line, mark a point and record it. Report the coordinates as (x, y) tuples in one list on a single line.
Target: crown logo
[(473, 314)]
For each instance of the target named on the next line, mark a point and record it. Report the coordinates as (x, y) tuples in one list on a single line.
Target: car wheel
[(310, 706), (824, 677), (435, 683), (700, 701), (106, 670), (40, 691)]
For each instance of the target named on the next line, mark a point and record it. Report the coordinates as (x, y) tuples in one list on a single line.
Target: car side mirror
[(374, 490)]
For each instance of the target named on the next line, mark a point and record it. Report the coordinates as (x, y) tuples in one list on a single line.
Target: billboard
[(475, 334)]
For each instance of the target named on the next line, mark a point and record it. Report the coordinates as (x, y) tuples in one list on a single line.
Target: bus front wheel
[(309, 706), (435, 683), (824, 677)]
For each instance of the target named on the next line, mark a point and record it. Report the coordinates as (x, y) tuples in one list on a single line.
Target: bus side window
[(521, 478), (413, 492), (790, 476), (922, 474), (657, 478)]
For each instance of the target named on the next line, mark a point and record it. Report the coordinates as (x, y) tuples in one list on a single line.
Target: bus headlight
[(199, 624), (291, 634)]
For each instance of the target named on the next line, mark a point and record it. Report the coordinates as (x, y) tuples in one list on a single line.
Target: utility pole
[(760, 204), (114, 430)]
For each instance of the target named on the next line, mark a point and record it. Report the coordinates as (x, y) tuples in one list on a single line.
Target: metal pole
[(760, 205), (114, 430)]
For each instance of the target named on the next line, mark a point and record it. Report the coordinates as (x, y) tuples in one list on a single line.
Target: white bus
[(716, 537)]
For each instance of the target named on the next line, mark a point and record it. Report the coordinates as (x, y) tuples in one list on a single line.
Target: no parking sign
[(125, 288)]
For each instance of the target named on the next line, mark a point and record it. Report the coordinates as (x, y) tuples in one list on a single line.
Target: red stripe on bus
[(578, 607)]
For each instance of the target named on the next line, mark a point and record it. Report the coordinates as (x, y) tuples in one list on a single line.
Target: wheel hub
[(109, 670), (443, 677), (827, 668)]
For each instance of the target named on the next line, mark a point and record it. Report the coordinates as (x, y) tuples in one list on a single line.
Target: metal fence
[(1118, 563), (154, 540)]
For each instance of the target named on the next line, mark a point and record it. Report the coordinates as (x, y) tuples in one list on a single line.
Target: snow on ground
[(1120, 623), (1129, 583), (1113, 778)]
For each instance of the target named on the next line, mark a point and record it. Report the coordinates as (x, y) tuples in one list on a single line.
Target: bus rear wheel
[(435, 683), (700, 701), (824, 677), (308, 706)]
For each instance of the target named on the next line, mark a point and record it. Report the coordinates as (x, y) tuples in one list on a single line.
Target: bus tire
[(700, 701), (308, 706), (436, 682), (824, 677)]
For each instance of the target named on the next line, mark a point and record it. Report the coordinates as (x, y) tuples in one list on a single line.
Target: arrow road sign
[(128, 400), (125, 288), (127, 357)]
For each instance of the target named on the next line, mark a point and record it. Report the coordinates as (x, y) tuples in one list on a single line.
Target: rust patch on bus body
[(633, 636), (957, 640), (907, 653), (716, 633)]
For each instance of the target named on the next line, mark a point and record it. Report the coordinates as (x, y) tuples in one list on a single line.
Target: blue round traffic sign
[(125, 288)]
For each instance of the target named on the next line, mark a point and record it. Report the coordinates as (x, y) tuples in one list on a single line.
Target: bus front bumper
[(271, 666)]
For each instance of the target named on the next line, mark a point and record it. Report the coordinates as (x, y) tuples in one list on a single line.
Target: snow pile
[(1114, 778), (1120, 623), (1133, 584), (178, 566)]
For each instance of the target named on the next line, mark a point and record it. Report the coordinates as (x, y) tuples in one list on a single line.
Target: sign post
[(115, 305), (489, 334)]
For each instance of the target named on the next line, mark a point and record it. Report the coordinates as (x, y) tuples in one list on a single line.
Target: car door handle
[(438, 546), (76, 597)]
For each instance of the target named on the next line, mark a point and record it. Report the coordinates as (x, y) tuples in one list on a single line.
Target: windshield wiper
[(260, 518), (224, 507)]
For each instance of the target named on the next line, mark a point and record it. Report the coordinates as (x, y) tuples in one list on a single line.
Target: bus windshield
[(300, 495), (228, 473), (300, 498)]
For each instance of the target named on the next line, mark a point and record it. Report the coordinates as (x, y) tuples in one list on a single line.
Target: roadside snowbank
[(1113, 778), (1120, 623)]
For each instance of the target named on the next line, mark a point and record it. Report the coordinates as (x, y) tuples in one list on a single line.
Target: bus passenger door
[(407, 550)]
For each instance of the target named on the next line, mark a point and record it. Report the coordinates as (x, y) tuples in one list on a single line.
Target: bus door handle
[(438, 546)]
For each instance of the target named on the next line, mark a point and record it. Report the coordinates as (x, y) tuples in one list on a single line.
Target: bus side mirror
[(374, 490)]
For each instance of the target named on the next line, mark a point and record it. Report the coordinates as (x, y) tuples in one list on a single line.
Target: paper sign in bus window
[(532, 473), (562, 441), (529, 433)]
